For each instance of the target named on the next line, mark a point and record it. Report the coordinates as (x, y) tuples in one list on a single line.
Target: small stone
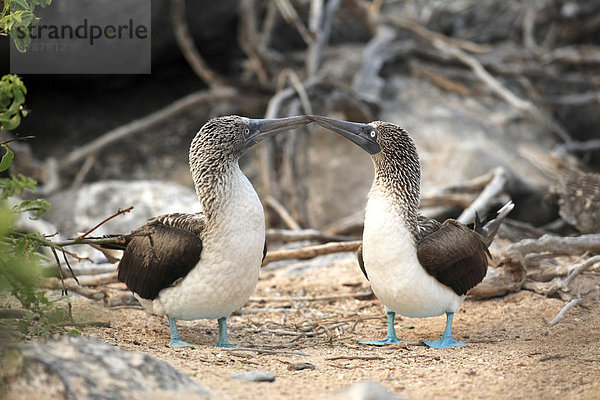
[(254, 376), (367, 390), (300, 366)]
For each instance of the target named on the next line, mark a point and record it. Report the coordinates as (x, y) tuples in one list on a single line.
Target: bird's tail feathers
[(490, 228)]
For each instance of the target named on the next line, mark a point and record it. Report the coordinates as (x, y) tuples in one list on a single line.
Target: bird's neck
[(401, 191), (215, 184)]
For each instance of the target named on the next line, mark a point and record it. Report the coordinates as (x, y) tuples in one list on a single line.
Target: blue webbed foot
[(178, 343), (443, 343), (391, 337), (446, 340)]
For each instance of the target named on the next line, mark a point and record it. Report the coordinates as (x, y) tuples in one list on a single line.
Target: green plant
[(20, 261), (12, 98), (17, 20)]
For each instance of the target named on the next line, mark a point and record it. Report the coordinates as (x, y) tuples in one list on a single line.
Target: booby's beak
[(261, 129), (363, 135)]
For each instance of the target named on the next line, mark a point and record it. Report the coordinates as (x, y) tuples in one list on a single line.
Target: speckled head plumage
[(218, 146), (397, 169)]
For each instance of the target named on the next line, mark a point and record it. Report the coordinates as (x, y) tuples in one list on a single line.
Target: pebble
[(254, 376)]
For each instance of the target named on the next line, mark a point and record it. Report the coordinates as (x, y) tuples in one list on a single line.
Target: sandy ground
[(511, 352)]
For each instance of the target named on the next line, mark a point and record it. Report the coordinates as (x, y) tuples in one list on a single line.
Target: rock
[(367, 390), (254, 376), (77, 367), (76, 211), (300, 366)]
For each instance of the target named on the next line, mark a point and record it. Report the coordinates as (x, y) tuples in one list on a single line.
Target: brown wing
[(454, 255), (361, 263), (157, 255)]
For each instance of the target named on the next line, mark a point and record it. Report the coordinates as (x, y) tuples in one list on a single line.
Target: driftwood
[(311, 251)]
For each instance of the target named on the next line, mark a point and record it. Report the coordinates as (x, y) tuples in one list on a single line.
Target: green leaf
[(37, 207), (7, 158)]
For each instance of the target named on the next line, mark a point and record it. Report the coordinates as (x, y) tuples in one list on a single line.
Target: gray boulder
[(79, 367), (78, 210)]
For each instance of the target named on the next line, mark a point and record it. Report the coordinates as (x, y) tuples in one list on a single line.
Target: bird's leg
[(175, 338), (446, 339), (223, 333), (391, 337)]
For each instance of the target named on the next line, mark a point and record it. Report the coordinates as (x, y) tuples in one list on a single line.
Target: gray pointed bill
[(364, 135), (261, 129)]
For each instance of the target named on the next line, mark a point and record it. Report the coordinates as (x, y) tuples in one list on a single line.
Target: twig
[(250, 43), (299, 88), (188, 49), (482, 203), (316, 298), (62, 278), (579, 268), (564, 311), (105, 220), (267, 351), (142, 124), (320, 25), (282, 213), (88, 163), (425, 33), (349, 224), (287, 236), (497, 87), (17, 139), (311, 251), (289, 14), (365, 358), (72, 242)]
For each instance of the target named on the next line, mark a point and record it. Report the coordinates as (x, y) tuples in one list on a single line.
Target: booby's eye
[(246, 131), (373, 134)]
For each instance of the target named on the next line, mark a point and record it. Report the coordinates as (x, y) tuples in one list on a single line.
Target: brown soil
[(511, 352)]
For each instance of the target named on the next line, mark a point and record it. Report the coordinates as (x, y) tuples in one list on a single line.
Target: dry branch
[(455, 48), (287, 236), (483, 202), (290, 15), (283, 213), (558, 245), (196, 99), (425, 33), (188, 49), (315, 298), (520, 104), (320, 22), (311, 251), (564, 311)]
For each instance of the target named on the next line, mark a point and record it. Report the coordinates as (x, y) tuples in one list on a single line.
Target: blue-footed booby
[(417, 267), (205, 265)]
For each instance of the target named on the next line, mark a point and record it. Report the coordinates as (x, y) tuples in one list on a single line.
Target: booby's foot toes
[(382, 342), (178, 343), (225, 345), (443, 343)]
